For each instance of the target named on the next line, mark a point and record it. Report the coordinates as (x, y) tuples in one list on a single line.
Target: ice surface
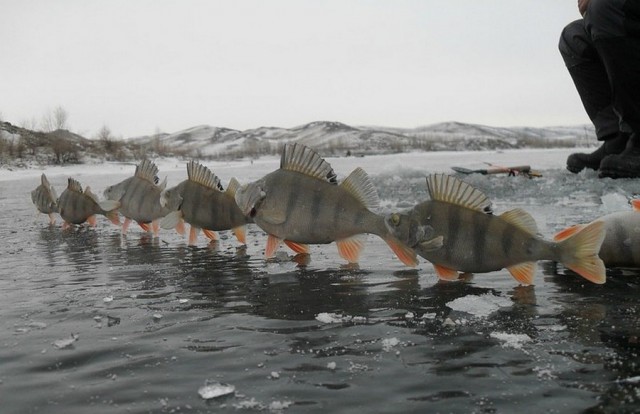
[(215, 390), (511, 340), (65, 342), (479, 306)]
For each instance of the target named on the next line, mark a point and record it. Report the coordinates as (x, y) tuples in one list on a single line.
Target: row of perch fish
[(302, 203)]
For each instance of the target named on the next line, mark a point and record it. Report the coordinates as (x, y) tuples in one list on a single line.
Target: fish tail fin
[(350, 248), (580, 252), (568, 232), (405, 253), (210, 234), (240, 232)]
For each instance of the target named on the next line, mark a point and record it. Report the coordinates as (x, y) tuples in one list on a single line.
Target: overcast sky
[(142, 66)]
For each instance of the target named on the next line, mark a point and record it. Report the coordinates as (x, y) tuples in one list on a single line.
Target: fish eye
[(395, 219)]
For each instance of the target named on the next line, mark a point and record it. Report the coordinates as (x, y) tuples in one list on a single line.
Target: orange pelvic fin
[(155, 226), (445, 273), (210, 234), (193, 236), (350, 248), (52, 218), (406, 254), (273, 243), (523, 272), (635, 203), (125, 225), (144, 226), (92, 220), (240, 232), (568, 232), (113, 217), (297, 247)]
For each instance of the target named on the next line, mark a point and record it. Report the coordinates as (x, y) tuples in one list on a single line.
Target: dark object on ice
[(494, 169), (602, 53), (579, 161), (623, 165)]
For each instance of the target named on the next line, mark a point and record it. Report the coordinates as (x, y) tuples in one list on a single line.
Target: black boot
[(579, 161), (623, 165)]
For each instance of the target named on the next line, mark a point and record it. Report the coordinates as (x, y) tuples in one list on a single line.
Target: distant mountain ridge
[(335, 138)]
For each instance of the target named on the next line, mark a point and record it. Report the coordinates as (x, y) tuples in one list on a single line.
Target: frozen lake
[(92, 321)]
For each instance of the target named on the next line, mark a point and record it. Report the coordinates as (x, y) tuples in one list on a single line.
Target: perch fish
[(621, 245), (456, 231), (201, 201), (302, 203), (45, 199), (139, 197), (77, 206)]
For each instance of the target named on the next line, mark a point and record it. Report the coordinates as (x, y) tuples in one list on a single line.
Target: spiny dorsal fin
[(147, 170), (520, 218), (74, 185), (88, 192), (202, 175), (452, 190), (360, 186), (233, 186), (297, 157), (52, 191)]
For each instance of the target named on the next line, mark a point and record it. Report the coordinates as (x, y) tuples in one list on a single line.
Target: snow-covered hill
[(206, 141)]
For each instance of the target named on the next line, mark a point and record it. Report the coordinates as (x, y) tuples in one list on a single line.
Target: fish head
[(409, 230), (249, 197), (115, 192), (171, 198)]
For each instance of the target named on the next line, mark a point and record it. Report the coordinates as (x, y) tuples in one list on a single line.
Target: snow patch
[(511, 340), (479, 306)]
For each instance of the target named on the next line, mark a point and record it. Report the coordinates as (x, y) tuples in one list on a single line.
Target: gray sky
[(138, 66)]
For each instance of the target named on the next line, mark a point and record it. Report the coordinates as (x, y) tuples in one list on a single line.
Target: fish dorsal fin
[(232, 187), (52, 191), (202, 175), (520, 218), (297, 157), (74, 185), (147, 170), (359, 185), (635, 203), (452, 190), (88, 192)]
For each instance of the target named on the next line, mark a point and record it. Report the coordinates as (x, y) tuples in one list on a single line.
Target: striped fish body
[(44, 197), (77, 206), (474, 241), (307, 210), (141, 200), (208, 208), (621, 245), (302, 203), (456, 231), (139, 196)]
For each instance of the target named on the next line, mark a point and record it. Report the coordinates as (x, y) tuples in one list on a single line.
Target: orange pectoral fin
[(568, 232), (350, 248), (210, 234), (272, 245), (523, 272), (297, 247), (406, 254), (241, 234), (445, 273)]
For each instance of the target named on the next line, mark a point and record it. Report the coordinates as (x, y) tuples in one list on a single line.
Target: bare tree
[(60, 117), (111, 145)]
